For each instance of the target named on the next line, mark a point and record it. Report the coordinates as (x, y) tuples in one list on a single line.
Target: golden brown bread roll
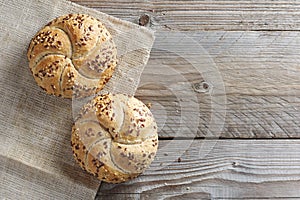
[(73, 54), (114, 137)]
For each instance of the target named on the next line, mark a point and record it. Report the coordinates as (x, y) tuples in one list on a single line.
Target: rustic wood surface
[(232, 169), (261, 76), (253, 46), (195, 15)]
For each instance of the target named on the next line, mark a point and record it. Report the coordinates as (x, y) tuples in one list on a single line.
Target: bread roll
[(114, 137), (72, 55)]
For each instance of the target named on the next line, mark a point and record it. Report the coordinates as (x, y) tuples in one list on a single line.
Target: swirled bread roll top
[(115, 137), (72, 54)]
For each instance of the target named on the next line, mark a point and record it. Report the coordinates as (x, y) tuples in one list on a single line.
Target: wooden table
[(255, 47)]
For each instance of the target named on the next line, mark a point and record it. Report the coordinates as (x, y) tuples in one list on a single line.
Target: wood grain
[(260, 78), (192, 15), (229, 169)]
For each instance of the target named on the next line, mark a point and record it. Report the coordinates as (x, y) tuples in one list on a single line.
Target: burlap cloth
[(36, 160)]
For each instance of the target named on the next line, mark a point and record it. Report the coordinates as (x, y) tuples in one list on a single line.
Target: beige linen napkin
[(35, 155)]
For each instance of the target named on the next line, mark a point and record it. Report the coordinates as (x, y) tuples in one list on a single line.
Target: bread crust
[(114, 137), (84, 46)]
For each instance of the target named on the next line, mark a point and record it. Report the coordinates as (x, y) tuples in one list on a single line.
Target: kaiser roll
[(72, 55), (114, 137)]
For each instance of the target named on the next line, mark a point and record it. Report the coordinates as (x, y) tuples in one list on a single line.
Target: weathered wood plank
[(222, 169), (259, 83), (206, 15)]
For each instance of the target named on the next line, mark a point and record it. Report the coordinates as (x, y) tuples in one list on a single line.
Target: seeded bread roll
[(72, 55), (114, 138)]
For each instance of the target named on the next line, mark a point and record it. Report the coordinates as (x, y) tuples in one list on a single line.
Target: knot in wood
[(144, 20), (201, 87)]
